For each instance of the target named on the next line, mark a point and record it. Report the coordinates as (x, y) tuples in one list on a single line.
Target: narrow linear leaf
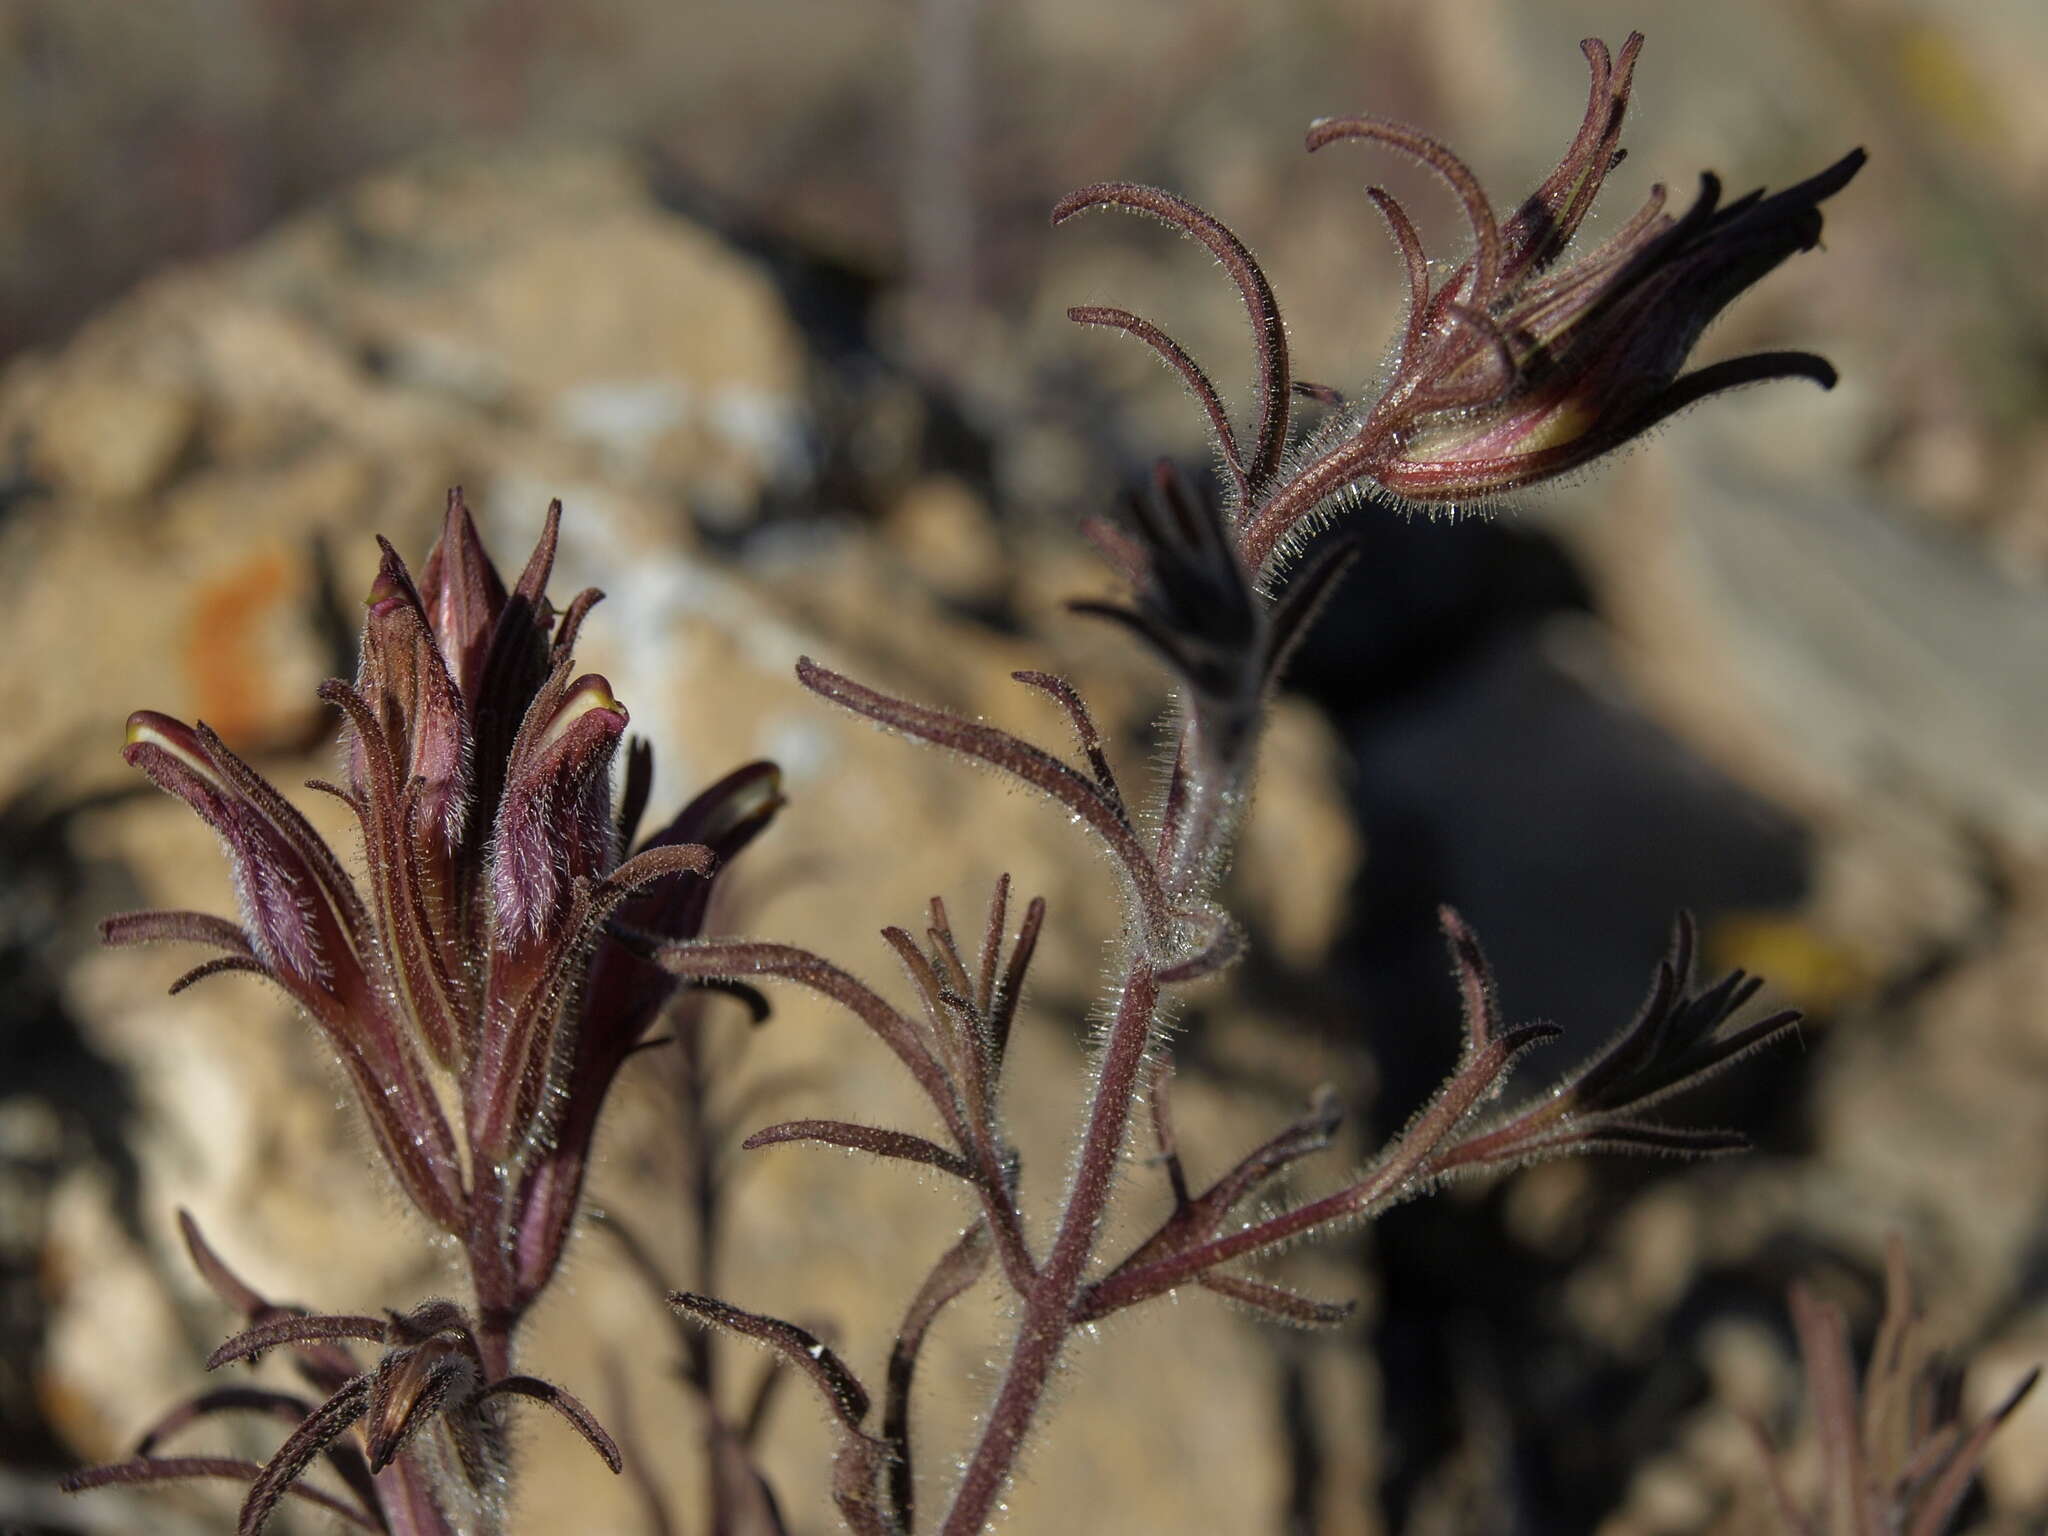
[(1279, 1303), (226, 965), (126, 928), (1831, 1377), (1014, 756), (1269, 338), (1159, 1099), (958, 1268), (566, 1404), (844, 1395), (223, 1282), (1196, 1221), (296, 1330), (1176, 357), (1947, 1492), (724, 959), (1304, 597), (992, 946), (1002, 1012), (1478, 998), (320, 1429), (863, 1138)]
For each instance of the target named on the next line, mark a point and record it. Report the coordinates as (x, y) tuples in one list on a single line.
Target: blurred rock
[(948, 539), (464, 318), (109, 439)]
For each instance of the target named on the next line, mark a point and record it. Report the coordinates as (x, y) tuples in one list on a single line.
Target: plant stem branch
[(1049, 1307), (1300, 494)]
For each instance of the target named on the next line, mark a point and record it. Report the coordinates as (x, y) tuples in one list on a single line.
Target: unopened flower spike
[(1520, 365), (472, 984), (1517, 369)]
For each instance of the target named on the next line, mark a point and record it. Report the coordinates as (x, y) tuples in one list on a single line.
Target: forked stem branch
[(1049, 1306)]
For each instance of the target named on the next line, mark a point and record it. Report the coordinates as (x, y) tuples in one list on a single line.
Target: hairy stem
[(1049, 1305), (1274, 519)]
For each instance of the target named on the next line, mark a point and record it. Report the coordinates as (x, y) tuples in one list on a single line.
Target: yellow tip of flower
[(1554, 429), (1816, 971), (755, 800), (590, 694), (148, 728)]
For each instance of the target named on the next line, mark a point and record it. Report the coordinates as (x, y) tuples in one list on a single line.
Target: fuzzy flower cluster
[(487, 979)]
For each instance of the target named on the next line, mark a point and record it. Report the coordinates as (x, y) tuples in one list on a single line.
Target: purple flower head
[(1518, 366), (1515, 369), (473, 966)]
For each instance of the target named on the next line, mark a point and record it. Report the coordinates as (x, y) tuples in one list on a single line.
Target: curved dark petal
[(409, 1387), (581, 1418), (1691, 388)]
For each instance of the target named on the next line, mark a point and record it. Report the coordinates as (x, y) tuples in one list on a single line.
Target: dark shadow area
[(1568, 831), (61, 1104)]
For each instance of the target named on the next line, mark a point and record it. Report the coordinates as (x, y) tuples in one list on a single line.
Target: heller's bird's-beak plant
[(506, 955), (476, 989)]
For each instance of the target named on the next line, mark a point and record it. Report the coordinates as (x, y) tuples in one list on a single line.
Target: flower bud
[(462, 596), (300, 914), (405, 681), (554, 821), (1590, 358), (1510, 372)]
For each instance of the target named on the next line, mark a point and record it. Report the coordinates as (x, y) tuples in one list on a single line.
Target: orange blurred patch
[(225, 644)]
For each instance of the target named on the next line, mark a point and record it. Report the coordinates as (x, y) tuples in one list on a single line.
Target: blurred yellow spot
[(1940, 84), (1799, 965)]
